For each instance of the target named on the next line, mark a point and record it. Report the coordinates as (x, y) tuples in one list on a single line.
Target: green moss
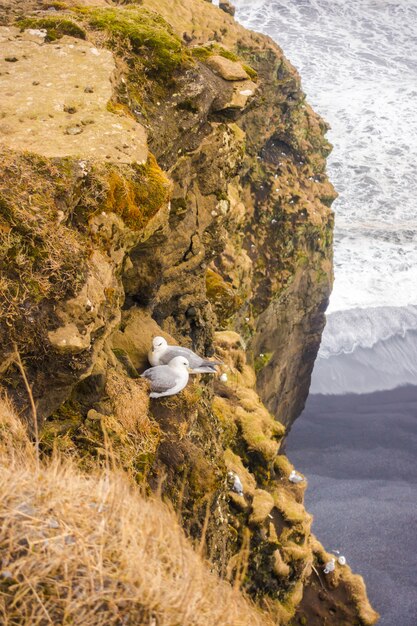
[(227, 54), (178, 206), (262, 505), (61, 426), (291, 510), (118, 108), (253, 74), (282, 466), (124, 359), (222, 296), (147, 33), (137, 199), (302, 259), (202, 53), (225, 413), (56, 27), (262, 360), (58, 5)]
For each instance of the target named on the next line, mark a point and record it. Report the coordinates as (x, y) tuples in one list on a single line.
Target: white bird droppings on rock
[(223, 377)]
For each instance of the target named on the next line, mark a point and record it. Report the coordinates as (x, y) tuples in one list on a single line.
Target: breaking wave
[(367, 350)]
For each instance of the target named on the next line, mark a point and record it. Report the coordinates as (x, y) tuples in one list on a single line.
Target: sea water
[(358, 65), (357, 444)]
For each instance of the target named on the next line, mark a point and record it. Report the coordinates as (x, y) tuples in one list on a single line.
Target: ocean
[(357, 438)]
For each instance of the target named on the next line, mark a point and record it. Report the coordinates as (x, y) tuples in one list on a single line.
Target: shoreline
[(358, 453)]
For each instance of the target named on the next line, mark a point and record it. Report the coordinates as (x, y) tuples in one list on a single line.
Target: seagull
[(162, 354), (295, 478), (329, 566), (167, 380), (235, 482)]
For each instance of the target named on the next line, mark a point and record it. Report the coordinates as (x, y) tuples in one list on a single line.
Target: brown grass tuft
[(40, 256), (91, 550)]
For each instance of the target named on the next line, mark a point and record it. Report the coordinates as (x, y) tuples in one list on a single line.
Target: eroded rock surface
[(54, 99), (219, 237)]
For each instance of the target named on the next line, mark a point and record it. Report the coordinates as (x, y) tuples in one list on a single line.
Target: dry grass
[(40, 257), (91, 550)]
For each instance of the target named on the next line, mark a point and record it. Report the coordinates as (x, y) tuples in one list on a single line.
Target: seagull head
[(158, 344), (180, 363)]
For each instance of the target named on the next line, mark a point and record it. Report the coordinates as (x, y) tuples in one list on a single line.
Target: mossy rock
[(253, 74), (262, 505), (202, 53), (148, 34), (139, 197), (222, 296), (262, 360), (56, 27)]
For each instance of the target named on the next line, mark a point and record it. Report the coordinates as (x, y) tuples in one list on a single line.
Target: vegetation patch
[(56, 27), (222, 296), (262, 360), (139, 198), (90, 549), (41, 257), (147, 34), (202, 53)]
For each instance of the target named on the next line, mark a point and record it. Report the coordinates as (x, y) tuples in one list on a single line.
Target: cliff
[(164, 175)]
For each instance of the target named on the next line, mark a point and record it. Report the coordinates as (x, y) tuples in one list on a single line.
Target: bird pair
[(171, 366)]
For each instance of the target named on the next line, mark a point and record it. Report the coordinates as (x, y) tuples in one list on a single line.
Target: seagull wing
[(196, 362), (161, 377), (173, 351)]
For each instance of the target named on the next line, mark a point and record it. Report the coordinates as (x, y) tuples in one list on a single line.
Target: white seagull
[(329, 566), (167, 380), (235, 483), (161, 354), (295, 478)]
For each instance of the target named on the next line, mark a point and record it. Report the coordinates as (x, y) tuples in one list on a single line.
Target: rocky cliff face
[(163, 174)]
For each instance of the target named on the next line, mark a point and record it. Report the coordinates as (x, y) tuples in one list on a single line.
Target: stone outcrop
[(55, 100), (203, 216)]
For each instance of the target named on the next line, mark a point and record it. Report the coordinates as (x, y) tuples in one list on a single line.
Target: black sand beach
[(359, 453)]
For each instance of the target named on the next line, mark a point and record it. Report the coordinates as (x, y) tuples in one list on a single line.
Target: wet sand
[(359, 453)]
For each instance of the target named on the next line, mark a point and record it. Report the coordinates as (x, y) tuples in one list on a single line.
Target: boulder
[(227, 69), (227, 7)]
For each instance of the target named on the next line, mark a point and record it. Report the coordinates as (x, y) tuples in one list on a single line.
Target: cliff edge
[(163, 174)]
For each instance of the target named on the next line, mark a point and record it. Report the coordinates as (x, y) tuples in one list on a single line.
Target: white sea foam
[(367, 350), (348, 330), (390, 363), (359, 70)]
